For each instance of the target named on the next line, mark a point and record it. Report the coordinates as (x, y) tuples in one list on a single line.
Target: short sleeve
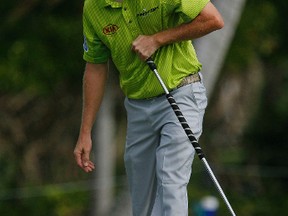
[(95, 51), (189, 9)]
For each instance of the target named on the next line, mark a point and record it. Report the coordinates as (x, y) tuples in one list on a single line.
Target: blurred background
[(245, 135)]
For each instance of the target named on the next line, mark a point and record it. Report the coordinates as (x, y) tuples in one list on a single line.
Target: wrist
[(85, 131), (160, 39)]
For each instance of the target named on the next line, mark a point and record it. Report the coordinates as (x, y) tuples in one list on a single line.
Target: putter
[(189, 133)]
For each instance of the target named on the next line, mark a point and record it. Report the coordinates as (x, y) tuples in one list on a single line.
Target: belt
[(192, 78)]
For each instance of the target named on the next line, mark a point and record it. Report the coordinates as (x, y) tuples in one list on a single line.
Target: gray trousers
[(158, 154)]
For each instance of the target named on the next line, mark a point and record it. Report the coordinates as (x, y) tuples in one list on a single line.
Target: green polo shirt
[(110, 27)]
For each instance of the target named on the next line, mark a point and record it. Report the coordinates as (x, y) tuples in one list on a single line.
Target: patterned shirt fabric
[(110, 27)]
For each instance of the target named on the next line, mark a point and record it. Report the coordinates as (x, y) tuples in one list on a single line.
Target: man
[(158, 154)]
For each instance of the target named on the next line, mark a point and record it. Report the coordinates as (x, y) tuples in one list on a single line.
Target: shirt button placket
[(129, 20)]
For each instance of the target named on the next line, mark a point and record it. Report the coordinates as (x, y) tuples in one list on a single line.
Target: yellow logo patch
[(110, 29)]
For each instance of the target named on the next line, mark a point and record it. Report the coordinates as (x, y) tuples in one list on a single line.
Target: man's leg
[(175, 152), (140, 157)]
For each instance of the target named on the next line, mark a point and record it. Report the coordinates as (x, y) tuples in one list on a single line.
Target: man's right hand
[(82, 154)]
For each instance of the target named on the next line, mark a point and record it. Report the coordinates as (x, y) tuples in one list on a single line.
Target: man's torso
[(117, 24)]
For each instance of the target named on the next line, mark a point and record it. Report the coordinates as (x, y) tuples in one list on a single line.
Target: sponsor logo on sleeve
[(85, 46)]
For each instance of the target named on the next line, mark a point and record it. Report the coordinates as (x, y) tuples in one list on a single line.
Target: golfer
[(158, 154)]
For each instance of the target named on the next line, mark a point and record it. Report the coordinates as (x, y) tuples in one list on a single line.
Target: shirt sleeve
[(189, 9), (95, 51)]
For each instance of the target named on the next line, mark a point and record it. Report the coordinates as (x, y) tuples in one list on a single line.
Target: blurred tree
[(40, 98), (248, 114)]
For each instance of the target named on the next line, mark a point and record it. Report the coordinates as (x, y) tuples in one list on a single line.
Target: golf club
[(189, 133)]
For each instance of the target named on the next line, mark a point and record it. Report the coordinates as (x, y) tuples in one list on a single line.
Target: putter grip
[(151, 64), (185, 126)]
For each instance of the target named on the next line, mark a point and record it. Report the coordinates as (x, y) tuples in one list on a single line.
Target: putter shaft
[(190, 134)]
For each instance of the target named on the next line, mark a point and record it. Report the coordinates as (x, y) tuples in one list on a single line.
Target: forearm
[(206, 22), (93, 90)]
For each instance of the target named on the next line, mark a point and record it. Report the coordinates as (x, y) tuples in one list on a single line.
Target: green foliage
[(41, 54), (73, 204), (41, 51), (268, 130), (262, 36), (261, 33)]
